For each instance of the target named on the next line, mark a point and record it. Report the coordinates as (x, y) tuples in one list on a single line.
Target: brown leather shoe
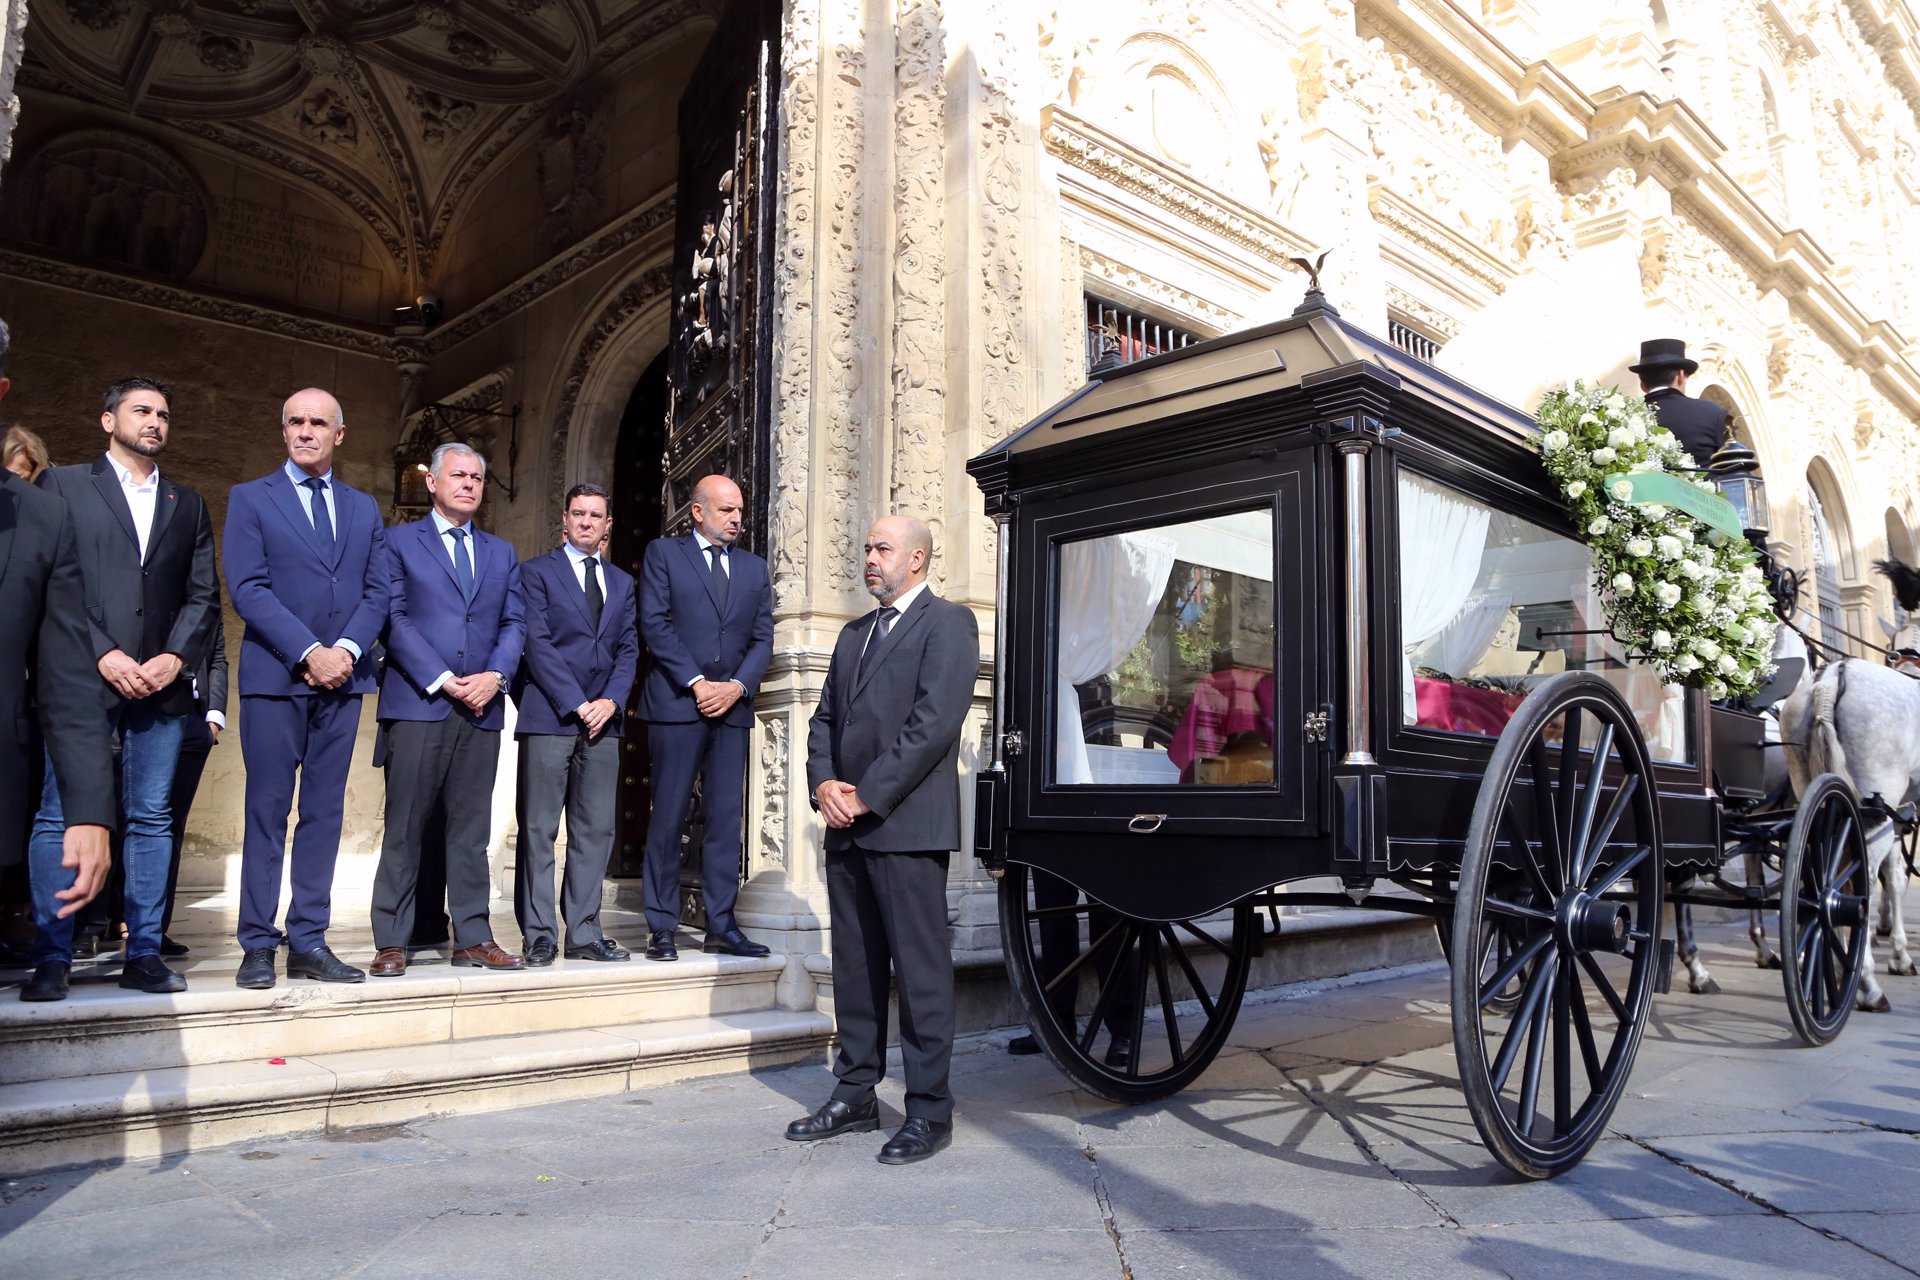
[(487, 955), (389, 962)]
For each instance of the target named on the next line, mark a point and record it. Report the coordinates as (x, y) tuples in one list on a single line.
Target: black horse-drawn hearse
[(1292, 604)]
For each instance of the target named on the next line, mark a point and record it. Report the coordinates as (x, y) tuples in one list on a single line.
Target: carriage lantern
[(1736, 473)]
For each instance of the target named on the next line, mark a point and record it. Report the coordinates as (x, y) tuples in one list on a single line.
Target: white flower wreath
[(1680, 594)]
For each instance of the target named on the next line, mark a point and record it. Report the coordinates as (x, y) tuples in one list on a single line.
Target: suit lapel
[(436, 543), (287, 497), (561, 573), (883, 646), (704, 567), (10, 505), (166, 500), (107, 481), (343, 508)]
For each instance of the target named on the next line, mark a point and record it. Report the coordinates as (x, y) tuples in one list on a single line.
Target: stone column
[(13, 39)]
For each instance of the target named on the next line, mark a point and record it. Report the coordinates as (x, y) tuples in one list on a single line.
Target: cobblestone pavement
[(1330, 1140)]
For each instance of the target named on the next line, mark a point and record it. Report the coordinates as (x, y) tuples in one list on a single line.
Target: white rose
[(1688, 569), (1662, 640), (1646, 464), (1623, 582), (1654, 511), (1687, 663), (1619, 437), (1615, 402), (1589, 420), (1668, 546), (1621, 490), (1602, 456), (1555, 439), (1726, 664), (1706, 649), (1639, 547), (1667, 594), (1684, 533), (1716, 689), (1599, 526), (1576, 487)]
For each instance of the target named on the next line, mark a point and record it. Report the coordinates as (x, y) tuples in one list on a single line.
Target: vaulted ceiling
[(395, 107)]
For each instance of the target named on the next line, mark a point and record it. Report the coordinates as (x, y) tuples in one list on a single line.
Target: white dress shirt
[(141, 498)]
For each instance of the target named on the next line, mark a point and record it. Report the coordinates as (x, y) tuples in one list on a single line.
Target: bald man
[(301, 551), (706, 613), (882, 755)]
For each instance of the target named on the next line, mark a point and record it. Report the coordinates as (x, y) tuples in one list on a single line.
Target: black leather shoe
[(541, 954), (1023, 1046), (49, 982), (322, 965), (151, 975), (600, 949), (732, 942), (173, 950), (660, 945), (256, 969), (1120, 1051), (916, 1141), (836, 1118)]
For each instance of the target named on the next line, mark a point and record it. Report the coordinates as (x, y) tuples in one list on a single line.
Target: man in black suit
[(153, 600), (706, 613), (582, 650), (198, 739), (1699, 425), (882, 752), (43, 661)]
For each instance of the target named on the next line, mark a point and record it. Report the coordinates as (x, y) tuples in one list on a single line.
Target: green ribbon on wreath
[(1650, 488)]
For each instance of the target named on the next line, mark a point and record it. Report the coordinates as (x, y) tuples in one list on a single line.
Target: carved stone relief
[(326, 117), (919, 269), (704, 313), (842, 366), (1005, 398), (225, 53), (112, 198), (98, 15), (772, 845), (471, 51), (572, 155), (793, 283), (439, 117)]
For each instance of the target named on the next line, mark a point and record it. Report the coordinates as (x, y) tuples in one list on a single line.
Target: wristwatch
[(501, 676)]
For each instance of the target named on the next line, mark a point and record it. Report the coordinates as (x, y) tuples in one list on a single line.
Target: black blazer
[(167, 603), (43, 630), (893, 730), (1699, 425)]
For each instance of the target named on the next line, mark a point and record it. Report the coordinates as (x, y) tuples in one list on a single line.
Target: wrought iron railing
[(1116, 336)]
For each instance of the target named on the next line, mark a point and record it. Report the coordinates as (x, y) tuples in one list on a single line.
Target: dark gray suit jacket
[(894, 732), (43, 630)]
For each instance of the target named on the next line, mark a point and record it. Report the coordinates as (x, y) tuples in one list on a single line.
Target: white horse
[(1862, 721)]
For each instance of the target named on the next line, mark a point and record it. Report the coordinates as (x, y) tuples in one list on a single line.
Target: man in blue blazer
[(706, 613), (455, 629), (582, 651), (303, 567)]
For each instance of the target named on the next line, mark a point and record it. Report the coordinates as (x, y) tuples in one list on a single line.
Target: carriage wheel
[(1824, 890), (1496, 952), (1563, 854), (1131, 1010)]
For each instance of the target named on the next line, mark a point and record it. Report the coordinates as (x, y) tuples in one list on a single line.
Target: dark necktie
[(462, 563), (720, 582), (322, 522), (596, 602), (882, 624)]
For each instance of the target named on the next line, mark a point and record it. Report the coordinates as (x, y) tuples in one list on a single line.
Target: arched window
[(1826, 572)]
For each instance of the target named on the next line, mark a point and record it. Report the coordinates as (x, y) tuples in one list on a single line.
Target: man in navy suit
[(303, 564), (706, 613), (455, 629), (153, 600), (582, 650)]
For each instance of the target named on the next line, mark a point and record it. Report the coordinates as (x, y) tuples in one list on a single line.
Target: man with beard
[(146, 559), (882, 752)]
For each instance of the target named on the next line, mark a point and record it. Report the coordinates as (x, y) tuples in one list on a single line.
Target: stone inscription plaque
[(289, 255)]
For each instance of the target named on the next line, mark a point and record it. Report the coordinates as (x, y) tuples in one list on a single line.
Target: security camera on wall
[(427, 307)]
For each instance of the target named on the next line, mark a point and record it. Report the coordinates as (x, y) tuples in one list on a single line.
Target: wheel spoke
[(1207, 938), (1809, 976), (1589, 805), (1166, 1002), (1522, 957), (1072, 971), (1615, 811), (1524, 848), (1544, 811), (1523, 1019), (1562, 1050), (1071, 908), (1518, 909), (1604, 986), (1852, 869), (1614, 876), (1583, 1027), (1107, 989), (1564, 794), (1186, 967), (1529, 1100)]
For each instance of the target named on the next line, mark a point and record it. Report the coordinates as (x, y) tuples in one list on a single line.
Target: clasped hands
[(473, 692), (839, 803), (594, 715), (328, 667), (138, 679), (715, 697)]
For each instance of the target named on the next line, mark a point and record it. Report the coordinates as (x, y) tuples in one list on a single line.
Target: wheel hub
[(1842, 910), (1587, 923)]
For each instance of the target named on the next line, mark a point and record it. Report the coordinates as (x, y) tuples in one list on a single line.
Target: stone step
[(139, 1114), (102, 1029)]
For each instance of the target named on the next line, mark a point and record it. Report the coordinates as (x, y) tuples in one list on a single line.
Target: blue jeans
[(149, 747)]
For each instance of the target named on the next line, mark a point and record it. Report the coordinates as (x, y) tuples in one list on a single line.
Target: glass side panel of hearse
[(1491, 604), (1173, 655)]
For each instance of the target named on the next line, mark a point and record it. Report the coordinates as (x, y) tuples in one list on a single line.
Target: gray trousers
[(581, 775), (428, 761), (890, 909)]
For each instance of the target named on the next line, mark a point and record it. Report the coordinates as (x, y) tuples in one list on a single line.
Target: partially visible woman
[(24, 454)]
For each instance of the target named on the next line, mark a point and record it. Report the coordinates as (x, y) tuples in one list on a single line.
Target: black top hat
[(1664, 353)]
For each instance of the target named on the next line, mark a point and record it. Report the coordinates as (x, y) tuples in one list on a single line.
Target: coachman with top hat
[(1699, 425)]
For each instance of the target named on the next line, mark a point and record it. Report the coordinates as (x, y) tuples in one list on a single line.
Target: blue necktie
[(322, 521), (462, 563)]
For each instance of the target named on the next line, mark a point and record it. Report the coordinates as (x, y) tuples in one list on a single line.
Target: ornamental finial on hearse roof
[(1315, 301)]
